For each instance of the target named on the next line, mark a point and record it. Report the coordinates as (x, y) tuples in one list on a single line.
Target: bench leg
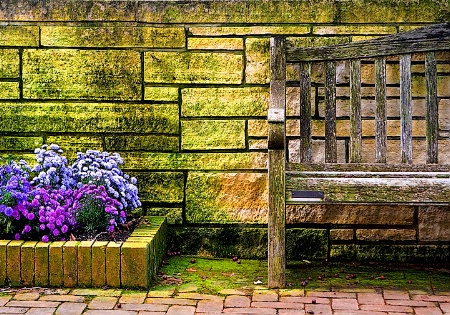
[(276, 222)]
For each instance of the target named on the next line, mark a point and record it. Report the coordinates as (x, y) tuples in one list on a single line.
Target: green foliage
[(92, 214)]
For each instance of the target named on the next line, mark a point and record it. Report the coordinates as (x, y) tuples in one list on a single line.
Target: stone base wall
[(180, 90)]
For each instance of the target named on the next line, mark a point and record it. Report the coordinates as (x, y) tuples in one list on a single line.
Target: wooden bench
[(341, 174)]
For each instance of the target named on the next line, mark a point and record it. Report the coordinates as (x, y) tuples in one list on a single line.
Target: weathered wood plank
[(305, 112), (276, 220), (395, 190), (432, 108), (330, 112), (405, 109), (380, 115), (368, 174), (366, 167), (276, 165), (429, 38), (355, 111)]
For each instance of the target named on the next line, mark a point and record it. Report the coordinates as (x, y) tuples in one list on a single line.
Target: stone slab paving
[(42, 301)]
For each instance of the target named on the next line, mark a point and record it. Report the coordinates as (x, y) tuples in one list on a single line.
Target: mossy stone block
[(249, 30), (160, 186), (81, 74), (193, 67), (99, 117), (56, 263), (9, 90), (113, 264), (13, 263), (226, 198), (70, 263), (169, 94), (394, 11), (306, 244), (41, 264), (27, 263), (215, 43), (173, 215), (257, 52), (195, 161), (9, 63), (85, 264), (3, 261), (144, 142), (135, 265), (212, 134), (15, 35), (67, 10), (99, 263), (20, 143), (113, 36), (248, 101)]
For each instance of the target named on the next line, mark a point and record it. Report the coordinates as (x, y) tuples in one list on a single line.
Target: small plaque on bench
[(307, 195)]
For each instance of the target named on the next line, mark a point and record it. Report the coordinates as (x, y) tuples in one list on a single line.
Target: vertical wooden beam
[(380, 116), (276, 164), (305, 113), (432, 108), (405, 108), (330, 112), (355, 111)]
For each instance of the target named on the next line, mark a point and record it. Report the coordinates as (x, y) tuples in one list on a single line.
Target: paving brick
[(318, 309), (278, 305), (264, 296), (70, 308), (29, 296), (395, 295), (431, 298), (247, 310), (341, 295), (237, 301), (134, 298), (161, 293), (409, 303), (98, 292), (171, 301), (44, 311), (445, 307), (32, 304), (103, 303), (427, 310), (199, 296), (62, 298), (181, 310), (13, 310), (387, 308), (156, 313), (304, 299), (291, 312), (293, 292), (209, 306), (370, 298), (145, 307), (232, 292), (344, 304), (109, 312), (4, 299), (358, 312)]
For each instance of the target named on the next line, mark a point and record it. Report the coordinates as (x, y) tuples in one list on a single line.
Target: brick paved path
[(40, 301)]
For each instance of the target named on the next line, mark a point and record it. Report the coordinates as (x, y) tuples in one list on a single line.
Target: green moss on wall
[(167, 187), (14, 35), (9, 63)]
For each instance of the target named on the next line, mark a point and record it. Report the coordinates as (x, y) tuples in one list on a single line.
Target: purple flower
[(45, 238), (17, 236)]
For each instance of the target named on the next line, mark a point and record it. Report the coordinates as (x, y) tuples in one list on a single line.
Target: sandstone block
[(3, 258), (99, 117), (215, 43), (9, 90), (70, 263), (341, 234), (134, 265), (84, 257), (195, 161), (249, 101), (434, 223), (160, 186), (226, 198), (9, 63), (212, 134), (257, 144), (161, 93), (318, 151), (13, 262), (257, 52), (173, 215), (258, 128), (113, 36), (113, 264), (41, 264), (20, 143), (145, 143), (99, 263), (386, 234), (27, 263), (81, 74), (192, 67), (248, 30), (354, 30), (14, 35), (55, 258), (355, 214)]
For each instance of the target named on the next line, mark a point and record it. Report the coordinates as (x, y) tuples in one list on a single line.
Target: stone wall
[(180, 90)]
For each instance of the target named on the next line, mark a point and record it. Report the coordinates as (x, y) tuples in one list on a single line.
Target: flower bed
[(131, 264)]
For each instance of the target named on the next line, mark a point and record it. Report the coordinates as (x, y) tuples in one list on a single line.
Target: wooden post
[(277, 147)]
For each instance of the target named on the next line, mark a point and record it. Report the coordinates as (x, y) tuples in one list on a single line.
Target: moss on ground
[(211, 275)]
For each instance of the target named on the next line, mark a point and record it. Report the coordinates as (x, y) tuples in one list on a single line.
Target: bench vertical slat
[(380, 115), (405, 108), (355, 111), (432, 108), (305, 112), (330, 112), (276, 165)]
